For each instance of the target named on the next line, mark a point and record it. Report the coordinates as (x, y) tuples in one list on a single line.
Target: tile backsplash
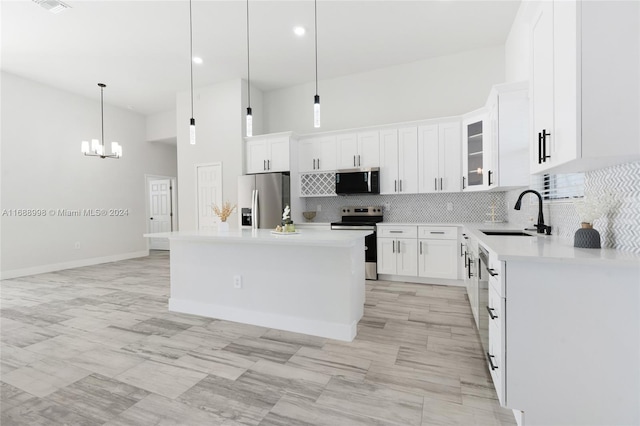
[(467, 207), (619, 229)]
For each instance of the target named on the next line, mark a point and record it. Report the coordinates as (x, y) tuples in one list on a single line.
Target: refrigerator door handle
[(254, 216)]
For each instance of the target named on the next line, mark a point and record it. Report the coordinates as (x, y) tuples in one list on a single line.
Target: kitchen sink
[(508, 233)]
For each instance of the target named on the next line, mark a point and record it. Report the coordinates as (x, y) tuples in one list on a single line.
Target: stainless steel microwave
[(358, 181)]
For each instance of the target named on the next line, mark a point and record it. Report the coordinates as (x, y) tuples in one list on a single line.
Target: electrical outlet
[(449, 207), (237, 281), (319, 208), (77, 245), (387, 206)]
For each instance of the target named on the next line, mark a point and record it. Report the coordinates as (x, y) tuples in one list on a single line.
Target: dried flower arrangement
[(590, 209), (224, 212)]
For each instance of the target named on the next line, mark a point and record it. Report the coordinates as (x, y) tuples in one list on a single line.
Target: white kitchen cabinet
[(438, 252), (476, 151), (585, 62), (317, 154), (265, 154), (439, 162), (397, 250), (508, 132), (358, 150), (399, 161)]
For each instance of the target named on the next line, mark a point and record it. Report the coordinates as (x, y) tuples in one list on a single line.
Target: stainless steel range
[(363, 218)]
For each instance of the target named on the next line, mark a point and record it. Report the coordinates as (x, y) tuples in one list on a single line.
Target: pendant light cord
[(191, 53), (315, 16), (248, 62)]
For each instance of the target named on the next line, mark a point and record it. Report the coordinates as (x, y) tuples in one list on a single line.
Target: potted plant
[(223, 213), (590, 209)]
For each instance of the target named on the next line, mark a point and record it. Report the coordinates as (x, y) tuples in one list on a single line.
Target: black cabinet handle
[(264, 164), (318, 164), (544, 145), (463, 179), (490, 173), (540, 147), (396, 232), (395, 185), (420, 247), (435, 183), (461, 250), (492, 272), (469, 268), (490, 310), (440, 184), (354, 161), (398, 246), (490, 359)]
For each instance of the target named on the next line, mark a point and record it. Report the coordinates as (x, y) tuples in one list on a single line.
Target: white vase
[(223, 226)]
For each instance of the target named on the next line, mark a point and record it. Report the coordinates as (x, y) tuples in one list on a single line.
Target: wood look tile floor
[(97, 346)]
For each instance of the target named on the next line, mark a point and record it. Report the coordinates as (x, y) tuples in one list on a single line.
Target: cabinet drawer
[(438, 232), (496, 306), (398, 231), (497, 280), (496, 361)]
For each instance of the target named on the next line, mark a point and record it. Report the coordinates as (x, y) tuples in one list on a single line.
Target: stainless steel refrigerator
[(262, 198)]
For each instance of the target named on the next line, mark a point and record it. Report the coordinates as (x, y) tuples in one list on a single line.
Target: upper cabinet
[(585, 63), (476, 152), (265, 154), (317, 154), (358, 150), (439, 151), (398, 161), (508, 133)]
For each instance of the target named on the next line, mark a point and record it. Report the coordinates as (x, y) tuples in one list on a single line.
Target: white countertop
[(544, 248), (304, 237)]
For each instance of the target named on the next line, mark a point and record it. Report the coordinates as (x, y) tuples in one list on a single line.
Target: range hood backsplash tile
[(418, 208)]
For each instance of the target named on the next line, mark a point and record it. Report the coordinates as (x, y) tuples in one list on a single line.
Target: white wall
[(436, 87), (43, 168), (219, 115), (161, 126)]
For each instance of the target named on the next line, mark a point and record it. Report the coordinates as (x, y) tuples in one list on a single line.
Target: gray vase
[(586, 237)]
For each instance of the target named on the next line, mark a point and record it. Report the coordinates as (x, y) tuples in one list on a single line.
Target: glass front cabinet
[(476, 155)]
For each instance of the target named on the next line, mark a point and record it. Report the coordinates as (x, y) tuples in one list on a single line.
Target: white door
[(209, 187), (160, 212), (369, 149), (307, 155)]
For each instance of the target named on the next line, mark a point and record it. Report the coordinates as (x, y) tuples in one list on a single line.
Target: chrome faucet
[(540, 226)]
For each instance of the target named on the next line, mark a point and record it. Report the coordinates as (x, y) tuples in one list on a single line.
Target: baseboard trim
[(43, 269), (421, 280), (336, 331)]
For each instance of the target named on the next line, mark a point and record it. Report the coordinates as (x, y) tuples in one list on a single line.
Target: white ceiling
[(140, 49)]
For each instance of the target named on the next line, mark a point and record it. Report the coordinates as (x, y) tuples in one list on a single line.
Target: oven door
[(370, 248)]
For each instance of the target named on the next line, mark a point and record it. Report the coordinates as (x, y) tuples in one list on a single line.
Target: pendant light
[(249, 115), (192, 121), (97, 147), (316, 98)]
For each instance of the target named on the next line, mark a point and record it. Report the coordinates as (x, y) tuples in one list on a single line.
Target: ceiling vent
[(53, 6)]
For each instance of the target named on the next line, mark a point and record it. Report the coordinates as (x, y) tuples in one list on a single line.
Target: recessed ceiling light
[(299, 31), (53, 6), (197, 60)]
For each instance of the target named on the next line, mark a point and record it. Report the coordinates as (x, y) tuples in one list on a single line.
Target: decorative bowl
[(309, 215)]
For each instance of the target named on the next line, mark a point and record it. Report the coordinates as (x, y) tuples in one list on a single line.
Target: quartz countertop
[(305, 237), (544, 248)]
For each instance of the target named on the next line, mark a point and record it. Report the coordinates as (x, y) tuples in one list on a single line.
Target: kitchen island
[(310, 282)]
